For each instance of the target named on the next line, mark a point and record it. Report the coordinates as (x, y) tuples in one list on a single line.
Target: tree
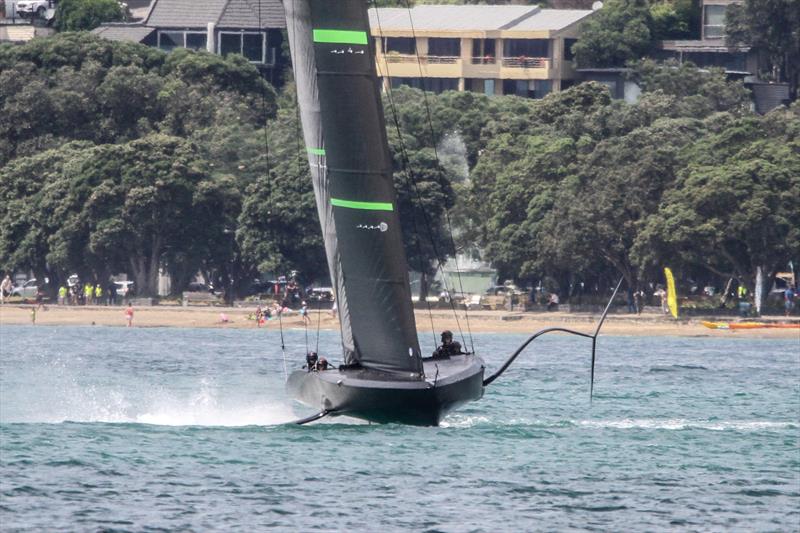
[(84, 15), (698, 92), (675, 19), (616, 34), (770, 26), (734, 207)]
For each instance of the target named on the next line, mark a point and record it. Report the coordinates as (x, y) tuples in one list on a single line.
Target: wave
[(679, 423), (204, 407), (463, 421), (676, 368)]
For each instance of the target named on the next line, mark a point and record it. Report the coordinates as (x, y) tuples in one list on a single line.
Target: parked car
[(124, 288), (32, 8), (197, 286), (29, 289), (321, 294)]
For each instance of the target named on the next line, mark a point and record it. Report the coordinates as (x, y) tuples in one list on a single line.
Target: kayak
[(748, 325)]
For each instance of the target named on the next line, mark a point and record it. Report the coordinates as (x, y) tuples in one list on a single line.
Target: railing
[(448, 60), (410, 58), (485, 60), (526, 62)]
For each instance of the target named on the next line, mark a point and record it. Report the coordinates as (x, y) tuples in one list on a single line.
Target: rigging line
[(267, 180), (439, 168), (406, 166), (319, 320)]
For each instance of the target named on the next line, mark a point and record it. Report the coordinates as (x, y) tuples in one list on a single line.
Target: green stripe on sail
[(316, 151), (340, 36), (369, 206)]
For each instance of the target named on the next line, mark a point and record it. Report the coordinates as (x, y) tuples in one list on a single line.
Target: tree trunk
[(423, 286)]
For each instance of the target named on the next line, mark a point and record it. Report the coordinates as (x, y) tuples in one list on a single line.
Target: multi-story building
[(509, 49)]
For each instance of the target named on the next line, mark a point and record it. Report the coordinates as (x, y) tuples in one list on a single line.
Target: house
[(493, 49), (711, 50), (251, 28)]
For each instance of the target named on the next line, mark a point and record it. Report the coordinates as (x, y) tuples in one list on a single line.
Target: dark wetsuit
[(446, 350)]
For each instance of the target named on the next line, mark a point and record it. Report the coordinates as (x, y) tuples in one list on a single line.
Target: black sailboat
[(384, 378)]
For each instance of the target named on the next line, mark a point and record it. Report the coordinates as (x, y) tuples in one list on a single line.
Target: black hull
[(384, 398)]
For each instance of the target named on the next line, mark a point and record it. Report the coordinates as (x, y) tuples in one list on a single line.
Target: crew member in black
[(449, 346), (311, 361)]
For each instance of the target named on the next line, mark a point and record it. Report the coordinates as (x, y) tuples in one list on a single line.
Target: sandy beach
[(479, 321)]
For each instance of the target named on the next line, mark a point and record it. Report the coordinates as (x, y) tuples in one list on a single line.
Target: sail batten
[(345, 135)]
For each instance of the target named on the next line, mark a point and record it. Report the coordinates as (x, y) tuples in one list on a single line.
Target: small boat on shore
[(750, 325)]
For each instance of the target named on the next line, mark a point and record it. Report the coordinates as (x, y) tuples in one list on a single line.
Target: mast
[(345, 136)]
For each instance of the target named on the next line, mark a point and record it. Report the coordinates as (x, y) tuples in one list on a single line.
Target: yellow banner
[(672, 296)]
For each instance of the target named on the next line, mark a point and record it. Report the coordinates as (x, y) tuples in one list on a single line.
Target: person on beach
[(5, 288), (62, 295), (129, 315), (88, 293), (638, 301), (259, 317), (304, 314), (448, 347), (553, 302), (111, 292), (661, 294), (98, 294), (788, 297)]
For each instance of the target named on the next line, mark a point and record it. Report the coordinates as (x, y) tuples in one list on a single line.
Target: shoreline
[(647, 324)]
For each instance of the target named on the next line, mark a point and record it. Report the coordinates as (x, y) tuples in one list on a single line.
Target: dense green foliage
[(579, 188), (83, 119), (119, 158), (621, 31), (84, 15)]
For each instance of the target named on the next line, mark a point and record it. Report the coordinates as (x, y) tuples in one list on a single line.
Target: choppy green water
[(148, 429)]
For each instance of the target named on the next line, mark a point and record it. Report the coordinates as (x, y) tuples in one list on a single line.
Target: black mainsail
[(345, 136)]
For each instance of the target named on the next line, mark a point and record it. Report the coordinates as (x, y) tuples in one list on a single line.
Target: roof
[(224, 13), (551, 19), (448, 18), (123, 32)]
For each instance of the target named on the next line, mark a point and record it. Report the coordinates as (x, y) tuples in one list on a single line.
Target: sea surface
[(182, 429)]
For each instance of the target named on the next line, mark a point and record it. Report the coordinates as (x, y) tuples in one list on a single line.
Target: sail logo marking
[(382, 227), (347, 51), (367, 206), (340, 37)]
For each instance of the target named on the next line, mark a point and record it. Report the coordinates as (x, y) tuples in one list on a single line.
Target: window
[(251, 45), (568, 48), (714, 22), (230, 43), (483, 51), (444, 47), (196, 41), (526, 48), (400, 45), (170, 40)]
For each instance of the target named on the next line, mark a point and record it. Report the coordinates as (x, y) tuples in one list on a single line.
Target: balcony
[(485, 60), (526, 62), (410, 65), (424, 60)]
